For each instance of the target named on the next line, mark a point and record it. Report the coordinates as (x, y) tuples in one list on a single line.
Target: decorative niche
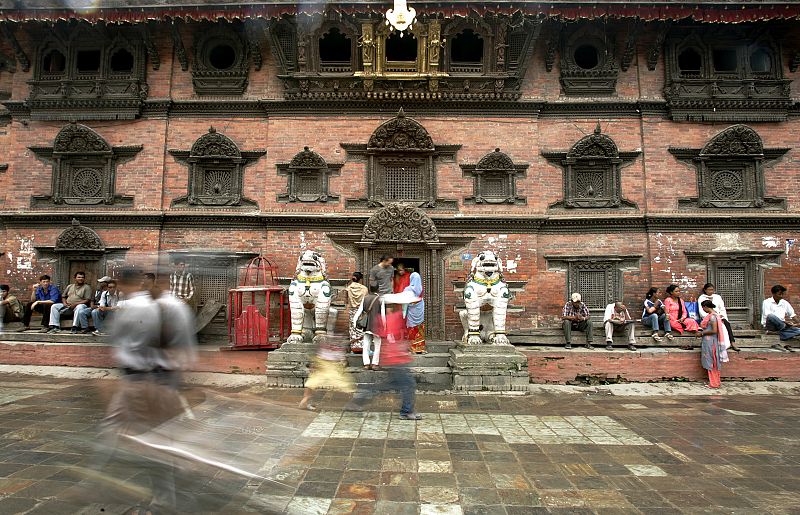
[(592, 177), (222, 62), (216, 172), (401, 166), (308, 177), (730, 73), (495, 179), (84, 168), (730, 171), (588, 61), (86, 72)]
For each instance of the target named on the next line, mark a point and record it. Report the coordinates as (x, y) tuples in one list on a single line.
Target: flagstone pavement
[(253, 451)]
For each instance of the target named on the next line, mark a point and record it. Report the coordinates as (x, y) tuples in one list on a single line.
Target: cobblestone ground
[(253, 451)]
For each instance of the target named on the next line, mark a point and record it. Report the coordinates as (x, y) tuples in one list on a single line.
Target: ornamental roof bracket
[(180, 50), (18, 52), (152, 50)]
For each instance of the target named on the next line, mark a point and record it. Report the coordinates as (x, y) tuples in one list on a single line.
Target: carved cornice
[(602, 222)]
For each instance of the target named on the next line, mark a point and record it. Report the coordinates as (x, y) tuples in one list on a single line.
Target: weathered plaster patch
[(728, 241), (771, 242), (511, 266)]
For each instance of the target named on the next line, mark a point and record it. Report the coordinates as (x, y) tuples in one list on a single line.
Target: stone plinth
[(288, 366), (488, 367)]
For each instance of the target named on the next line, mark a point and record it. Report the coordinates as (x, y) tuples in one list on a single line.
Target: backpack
[(363, 319)]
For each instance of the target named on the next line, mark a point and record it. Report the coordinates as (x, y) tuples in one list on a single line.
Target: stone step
[(431, 359), (555, 337), (428, 378)]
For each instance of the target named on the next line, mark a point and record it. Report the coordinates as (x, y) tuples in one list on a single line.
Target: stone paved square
[(252, 451)]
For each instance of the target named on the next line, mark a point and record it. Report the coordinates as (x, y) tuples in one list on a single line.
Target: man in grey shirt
[(381, 276)]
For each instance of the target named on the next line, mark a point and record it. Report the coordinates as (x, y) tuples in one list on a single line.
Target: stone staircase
[(431, 370), (554, 337)]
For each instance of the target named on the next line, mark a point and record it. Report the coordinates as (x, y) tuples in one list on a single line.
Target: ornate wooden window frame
[(497, 166), (101, 95), (84, 168), (598, 81), (347, 28), (209, 80), (730, 171), (614, 268), (397, 141), (308, 164), (740, 95), (215, 152), (483, 30), (599, 154), (755, 262)]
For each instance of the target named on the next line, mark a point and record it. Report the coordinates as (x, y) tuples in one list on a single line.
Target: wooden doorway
[(90, 267)]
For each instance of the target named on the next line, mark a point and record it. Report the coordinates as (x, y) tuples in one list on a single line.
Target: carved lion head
[(486, 263), (311, 263)]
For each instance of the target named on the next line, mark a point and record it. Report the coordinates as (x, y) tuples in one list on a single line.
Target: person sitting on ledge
[(43, 297), (575, 317), (617, 320), (10, 306), (778, 315), (77, 297), (677, 315), (108, 304), (653, 315)]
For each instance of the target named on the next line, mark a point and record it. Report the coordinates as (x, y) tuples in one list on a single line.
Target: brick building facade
[(601, 149)]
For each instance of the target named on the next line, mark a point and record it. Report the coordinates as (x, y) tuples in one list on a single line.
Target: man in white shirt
[(778, 315), (618, 320)]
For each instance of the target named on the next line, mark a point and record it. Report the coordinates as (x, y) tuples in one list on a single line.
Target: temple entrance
[(406, 233)]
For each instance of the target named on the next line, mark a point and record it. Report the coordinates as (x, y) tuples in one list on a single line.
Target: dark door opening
[(411, 264)]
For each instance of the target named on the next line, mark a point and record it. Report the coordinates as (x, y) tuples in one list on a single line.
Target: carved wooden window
[(308, 178), (284, 41), (725, 73), (401, 161), (221, 64), (592, 177), (739, 279), (466, 52), (402, 181), (494, 179), (84, 168), (730, 171), (216, 172), (594, 283), (599, 279), (588, 63), (516, 49), (85, 73), (336, 52), (213, 283), (401, 52)]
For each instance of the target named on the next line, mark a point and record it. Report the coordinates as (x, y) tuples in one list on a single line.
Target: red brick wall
[(561, 367), (654, 181)]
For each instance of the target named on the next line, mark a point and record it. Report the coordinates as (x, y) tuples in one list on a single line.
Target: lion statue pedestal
[(312, 318), (485, 360)]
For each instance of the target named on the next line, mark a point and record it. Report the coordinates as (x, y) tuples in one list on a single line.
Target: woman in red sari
[(676, 311), (401, 279)]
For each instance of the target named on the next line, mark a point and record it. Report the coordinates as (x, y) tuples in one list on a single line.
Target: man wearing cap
[(575, 317), (109, 303), (83, 315)]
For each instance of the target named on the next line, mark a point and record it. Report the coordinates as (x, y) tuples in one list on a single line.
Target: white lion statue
[(485, 287), (310, 298)]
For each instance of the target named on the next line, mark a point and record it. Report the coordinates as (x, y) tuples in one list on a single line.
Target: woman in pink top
[(676, 311)]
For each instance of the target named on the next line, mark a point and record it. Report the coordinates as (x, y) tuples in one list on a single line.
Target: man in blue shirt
[(44, 295)]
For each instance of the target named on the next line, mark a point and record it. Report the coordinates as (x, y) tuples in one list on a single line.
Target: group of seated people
[(78, 301), (671, 312)]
